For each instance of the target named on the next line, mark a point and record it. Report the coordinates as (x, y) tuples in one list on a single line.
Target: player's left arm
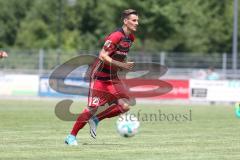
[(110, 46), (104, 56)]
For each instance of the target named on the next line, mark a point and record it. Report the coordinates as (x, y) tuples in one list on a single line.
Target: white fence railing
[(181, 65)]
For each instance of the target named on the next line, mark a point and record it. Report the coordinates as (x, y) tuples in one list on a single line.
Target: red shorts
[(102, 92)]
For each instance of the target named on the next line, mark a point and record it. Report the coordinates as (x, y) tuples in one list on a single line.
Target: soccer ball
[(127, 125)]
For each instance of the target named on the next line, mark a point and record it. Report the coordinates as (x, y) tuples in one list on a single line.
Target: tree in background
[(167, 25), (202, 26), (12, 12)]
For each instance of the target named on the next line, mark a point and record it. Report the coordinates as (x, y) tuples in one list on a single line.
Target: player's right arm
[(104, 56)]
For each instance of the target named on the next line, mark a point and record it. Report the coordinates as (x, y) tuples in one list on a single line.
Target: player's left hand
[(129, 65), (3, 54)]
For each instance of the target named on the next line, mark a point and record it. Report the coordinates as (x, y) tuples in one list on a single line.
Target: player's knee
[(124, 104), (125, 107)]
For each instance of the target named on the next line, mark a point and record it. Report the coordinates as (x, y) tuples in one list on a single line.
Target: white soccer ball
[(127, 125)]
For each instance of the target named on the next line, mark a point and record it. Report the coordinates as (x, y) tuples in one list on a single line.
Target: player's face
[(132, 22)]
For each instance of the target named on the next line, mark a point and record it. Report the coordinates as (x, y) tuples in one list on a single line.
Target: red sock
[(112, 111), (81, 121)]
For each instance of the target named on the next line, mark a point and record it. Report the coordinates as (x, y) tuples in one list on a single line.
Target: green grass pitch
[(29, 129)]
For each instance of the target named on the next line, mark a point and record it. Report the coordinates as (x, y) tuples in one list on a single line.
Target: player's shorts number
[(95, 100)]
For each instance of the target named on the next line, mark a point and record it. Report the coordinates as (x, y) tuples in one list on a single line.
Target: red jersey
[(102, 89), (118, 45)]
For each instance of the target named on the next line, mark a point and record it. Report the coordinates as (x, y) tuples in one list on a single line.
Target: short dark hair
[(128, 12)]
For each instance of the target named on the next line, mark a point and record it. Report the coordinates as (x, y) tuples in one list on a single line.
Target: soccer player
[(3, 54), (107, 95)]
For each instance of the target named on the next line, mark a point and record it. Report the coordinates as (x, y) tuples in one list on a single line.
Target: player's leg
[(79, 124), (93, 121), (115, 109), (107, 111), (120, 95), (97, 99), (104, 94), (82, 120)]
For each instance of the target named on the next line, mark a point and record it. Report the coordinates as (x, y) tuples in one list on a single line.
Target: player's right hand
[(3, 54)]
